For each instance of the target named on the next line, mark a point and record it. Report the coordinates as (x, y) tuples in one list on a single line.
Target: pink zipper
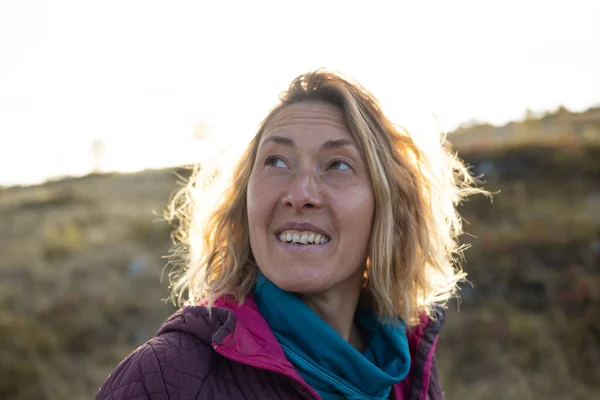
[(228, 353)]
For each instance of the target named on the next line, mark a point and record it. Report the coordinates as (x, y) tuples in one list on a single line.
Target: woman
[(322, 271)]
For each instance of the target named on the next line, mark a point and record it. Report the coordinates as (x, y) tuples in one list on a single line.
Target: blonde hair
[(414, 254)]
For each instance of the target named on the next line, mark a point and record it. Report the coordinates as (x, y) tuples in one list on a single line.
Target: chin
[(300, 282)]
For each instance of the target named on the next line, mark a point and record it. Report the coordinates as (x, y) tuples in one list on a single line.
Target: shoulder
[(171, 365), (423, 338)]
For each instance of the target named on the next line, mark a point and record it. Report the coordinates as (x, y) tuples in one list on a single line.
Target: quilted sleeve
[(138, 376), (435, 388), (172, 366)]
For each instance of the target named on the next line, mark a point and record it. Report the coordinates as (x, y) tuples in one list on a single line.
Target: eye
[(341, 165), (276, 162)]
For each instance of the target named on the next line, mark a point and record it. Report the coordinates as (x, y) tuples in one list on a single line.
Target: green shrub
[(62, 239)]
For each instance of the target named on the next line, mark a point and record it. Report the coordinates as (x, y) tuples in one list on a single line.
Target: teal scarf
[(328, 363)]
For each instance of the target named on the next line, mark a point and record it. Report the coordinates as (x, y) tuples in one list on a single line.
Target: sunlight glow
[(143, 76)]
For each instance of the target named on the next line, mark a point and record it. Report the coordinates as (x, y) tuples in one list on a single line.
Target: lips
[(301, 227), (305, 237)]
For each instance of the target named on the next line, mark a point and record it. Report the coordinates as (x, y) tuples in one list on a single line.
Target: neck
[(337, 307)]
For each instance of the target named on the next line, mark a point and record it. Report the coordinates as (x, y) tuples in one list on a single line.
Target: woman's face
[(310, 202)]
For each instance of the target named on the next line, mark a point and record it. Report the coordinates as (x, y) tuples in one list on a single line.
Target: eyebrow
[(330, 144)]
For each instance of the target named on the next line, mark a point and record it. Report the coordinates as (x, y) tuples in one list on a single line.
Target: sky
[(143, 76)]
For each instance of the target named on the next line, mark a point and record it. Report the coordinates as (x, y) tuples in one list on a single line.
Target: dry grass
[(80, 280), (529, 328)]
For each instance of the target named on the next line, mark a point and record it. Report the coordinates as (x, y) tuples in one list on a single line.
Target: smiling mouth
[(302, 237)]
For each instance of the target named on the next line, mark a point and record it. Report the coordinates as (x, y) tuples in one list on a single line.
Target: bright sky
[(141, 75)]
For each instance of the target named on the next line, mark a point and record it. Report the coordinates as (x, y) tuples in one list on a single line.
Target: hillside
[(80, 280), (529, 326), (82, 259), (558, 128)]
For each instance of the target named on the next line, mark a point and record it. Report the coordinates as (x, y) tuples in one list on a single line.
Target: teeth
[(302, 238)]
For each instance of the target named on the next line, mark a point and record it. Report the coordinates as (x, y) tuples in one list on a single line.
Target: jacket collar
[(243, 330)]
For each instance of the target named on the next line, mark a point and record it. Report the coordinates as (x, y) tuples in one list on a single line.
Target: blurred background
[(104, 105)]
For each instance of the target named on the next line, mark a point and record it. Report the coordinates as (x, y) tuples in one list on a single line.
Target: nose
[(303, 193)]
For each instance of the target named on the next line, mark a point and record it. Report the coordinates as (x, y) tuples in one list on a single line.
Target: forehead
[(308, 117)]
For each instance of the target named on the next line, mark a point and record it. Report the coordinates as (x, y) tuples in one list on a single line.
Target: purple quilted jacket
[(230, 353)]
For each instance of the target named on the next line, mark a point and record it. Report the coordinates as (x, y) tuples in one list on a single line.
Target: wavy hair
[(414, 254)]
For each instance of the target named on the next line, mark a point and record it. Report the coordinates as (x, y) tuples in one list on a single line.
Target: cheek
[(363, 202), (255, 217), (253, 205), (357, 211), (259, 203)]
